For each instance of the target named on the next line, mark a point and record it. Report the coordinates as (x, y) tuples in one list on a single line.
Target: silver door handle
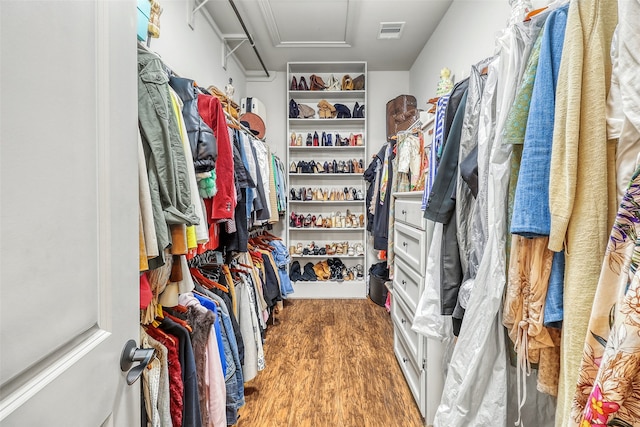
[(130, 354)]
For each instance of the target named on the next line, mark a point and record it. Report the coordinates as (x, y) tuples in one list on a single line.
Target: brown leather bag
[(316, 82), (402, 112), (358, 82)]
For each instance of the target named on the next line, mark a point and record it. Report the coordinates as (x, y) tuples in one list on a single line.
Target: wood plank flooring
[(330, 363)]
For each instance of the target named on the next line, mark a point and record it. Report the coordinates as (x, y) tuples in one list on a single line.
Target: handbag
[(358, 82), (306, 111), (316, 82), (294, 111)]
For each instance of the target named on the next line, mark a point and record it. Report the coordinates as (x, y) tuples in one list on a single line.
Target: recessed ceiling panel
[(308, 21)]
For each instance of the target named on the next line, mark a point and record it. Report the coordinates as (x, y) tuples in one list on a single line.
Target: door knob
[(130, 354)]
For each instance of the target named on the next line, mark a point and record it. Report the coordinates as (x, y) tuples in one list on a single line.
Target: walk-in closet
[(353, 213)]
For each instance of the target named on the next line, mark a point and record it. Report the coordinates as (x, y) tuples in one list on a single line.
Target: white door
[(68, 212)]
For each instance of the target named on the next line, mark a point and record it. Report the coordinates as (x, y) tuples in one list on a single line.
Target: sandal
[(307, 221), (299, 249), (319, 221), (359, 249), (351, 251), (333, 83)]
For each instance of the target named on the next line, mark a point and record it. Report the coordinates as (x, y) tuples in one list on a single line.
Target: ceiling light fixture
[(390, 30)]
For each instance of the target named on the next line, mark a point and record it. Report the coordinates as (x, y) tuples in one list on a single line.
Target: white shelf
[(337, 202), (329, 290), (344, 127), (355, 95), (327, 148), (324, 229), (327, 122), (327, 256), (328, 175)]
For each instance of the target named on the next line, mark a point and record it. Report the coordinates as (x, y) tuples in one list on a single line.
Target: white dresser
[(420, 358)]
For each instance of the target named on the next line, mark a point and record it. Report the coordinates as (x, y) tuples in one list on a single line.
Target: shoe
[(303, 84), (323, 141), (315, 141), (338, 140), (319, 221), (308, 273), (348, 194), (309, 140), (293, 194), (292, 219), (359, 271), (294, 272), (299, 249), (325, 168), (359, 140), (333, 83), (293, 139), (329, 142), (294, 84), (351, 251), (359, 195), (356, 110), (293, 168), (335, 166), (299, 141), (308, 195), (361, 220), (352, 140), (359, 249)]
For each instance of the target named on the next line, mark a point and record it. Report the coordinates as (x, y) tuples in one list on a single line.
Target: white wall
[(383, 86), (195, 54), (465, 35), (273, 94)]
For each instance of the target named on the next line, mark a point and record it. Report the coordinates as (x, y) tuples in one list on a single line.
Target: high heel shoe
[(293, 194), (293, 138), (352, 140), (325, 167), (359, 140), (323, 141), (293, 168), (303, 84), (299, 141), (307, 221), (316, 142), (309, 140), (294, 84), (356, 110), (319, 221), (329, 142)]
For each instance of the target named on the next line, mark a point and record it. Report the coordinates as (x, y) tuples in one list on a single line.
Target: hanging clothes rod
[(253, 45)]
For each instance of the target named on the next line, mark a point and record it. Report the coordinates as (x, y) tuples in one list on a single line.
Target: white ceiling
[(327, 30)]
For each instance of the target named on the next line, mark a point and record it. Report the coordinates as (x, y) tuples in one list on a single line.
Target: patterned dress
[(608, 389)]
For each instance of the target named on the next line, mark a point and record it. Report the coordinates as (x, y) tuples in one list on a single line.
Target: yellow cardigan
[(582, 183)]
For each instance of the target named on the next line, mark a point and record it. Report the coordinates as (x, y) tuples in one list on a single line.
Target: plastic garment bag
[(428, 321)]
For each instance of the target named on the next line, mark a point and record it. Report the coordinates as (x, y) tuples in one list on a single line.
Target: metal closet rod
[(253, 45)]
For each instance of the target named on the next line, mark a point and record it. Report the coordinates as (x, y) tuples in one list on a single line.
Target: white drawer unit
[(409, 212), (420, 358), (407, 282), (410, 245)]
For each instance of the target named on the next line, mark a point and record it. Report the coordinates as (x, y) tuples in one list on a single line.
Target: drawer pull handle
[(404, 282), (404, 244), (405, 360), (404, 212), (403, 321)]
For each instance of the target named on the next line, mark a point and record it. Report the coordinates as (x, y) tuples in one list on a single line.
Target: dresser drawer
[(410, 245), (402, 319), (407, 283), (410, 212), (412, 373)]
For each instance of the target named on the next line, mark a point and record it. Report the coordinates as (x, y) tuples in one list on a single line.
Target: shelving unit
[(318, 235)]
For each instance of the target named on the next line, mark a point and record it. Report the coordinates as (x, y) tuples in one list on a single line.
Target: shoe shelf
[(333, 202), (326, 175), (326, 229), (329, 122), (327, 148), (328, 289), (325, 256), (323, 94)]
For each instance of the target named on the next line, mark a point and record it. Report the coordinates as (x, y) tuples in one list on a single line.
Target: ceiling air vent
[(390, 30)]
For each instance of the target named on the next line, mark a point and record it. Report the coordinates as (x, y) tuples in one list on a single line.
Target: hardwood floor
[(330, 363)]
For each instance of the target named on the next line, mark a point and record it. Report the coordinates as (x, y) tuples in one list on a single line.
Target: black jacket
[(204, 146)]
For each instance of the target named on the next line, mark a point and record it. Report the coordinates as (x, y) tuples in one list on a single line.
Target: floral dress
[(608, 389)]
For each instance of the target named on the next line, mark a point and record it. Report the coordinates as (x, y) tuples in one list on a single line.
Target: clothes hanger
[(179, 321), (207, 283)]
